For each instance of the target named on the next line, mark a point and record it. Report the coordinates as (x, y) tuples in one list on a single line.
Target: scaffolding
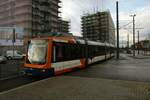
[(33, 16), (45, 16), (98, 27), (63, 26)]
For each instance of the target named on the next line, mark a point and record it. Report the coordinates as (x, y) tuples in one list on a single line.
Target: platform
[(79, 88)]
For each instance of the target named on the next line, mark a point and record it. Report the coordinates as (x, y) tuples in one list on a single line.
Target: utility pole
[(133, 33), (14, 40), (138, 42), (149, 41), (117, 23), (122, 44), (127, 41)]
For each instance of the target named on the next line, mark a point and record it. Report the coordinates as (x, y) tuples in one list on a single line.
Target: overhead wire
[(126, 24)]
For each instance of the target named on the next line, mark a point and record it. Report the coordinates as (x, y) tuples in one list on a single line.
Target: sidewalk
[(141, 56), (78, 88)]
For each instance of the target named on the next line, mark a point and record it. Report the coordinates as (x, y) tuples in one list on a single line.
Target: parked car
[(129, 51), (10, 54), (3, 59)]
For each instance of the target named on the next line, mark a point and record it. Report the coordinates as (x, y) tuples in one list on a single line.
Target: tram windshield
[(37, 51)]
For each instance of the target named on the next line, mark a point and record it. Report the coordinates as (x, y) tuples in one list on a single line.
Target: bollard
[(0, 72)]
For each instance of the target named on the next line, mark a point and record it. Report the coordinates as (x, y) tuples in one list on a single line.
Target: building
[(142, 45), (98, 27), (63, 26), (34, 16)]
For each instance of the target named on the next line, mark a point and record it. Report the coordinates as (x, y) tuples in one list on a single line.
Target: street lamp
[(117, 23), (133, 33), (138, 42)]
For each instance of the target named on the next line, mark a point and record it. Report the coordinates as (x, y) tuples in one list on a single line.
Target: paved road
[(11, 68), (127, 68), (11, 76)]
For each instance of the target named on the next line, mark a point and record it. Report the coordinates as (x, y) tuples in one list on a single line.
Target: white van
[(10, 54)]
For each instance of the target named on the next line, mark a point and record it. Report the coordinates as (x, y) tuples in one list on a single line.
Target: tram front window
[(37, 51)]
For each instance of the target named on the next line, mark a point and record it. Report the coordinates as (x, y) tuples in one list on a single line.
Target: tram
[(47, 56)]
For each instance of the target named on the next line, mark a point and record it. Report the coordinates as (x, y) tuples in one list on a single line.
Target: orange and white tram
[(57, 55)]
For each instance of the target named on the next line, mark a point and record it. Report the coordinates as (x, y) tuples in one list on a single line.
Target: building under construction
[(98, 27), (33, 16), (63, 26)]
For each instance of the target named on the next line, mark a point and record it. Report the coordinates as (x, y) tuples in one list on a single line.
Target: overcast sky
[(74, 9)]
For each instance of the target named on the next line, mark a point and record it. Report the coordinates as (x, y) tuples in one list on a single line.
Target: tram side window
[(59, 52), (111, 50), (66, 52), (73, 51), (95, 50), (101, 50), (89, 51)]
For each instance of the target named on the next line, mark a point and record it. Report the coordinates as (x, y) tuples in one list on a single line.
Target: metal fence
[(12, 68)]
